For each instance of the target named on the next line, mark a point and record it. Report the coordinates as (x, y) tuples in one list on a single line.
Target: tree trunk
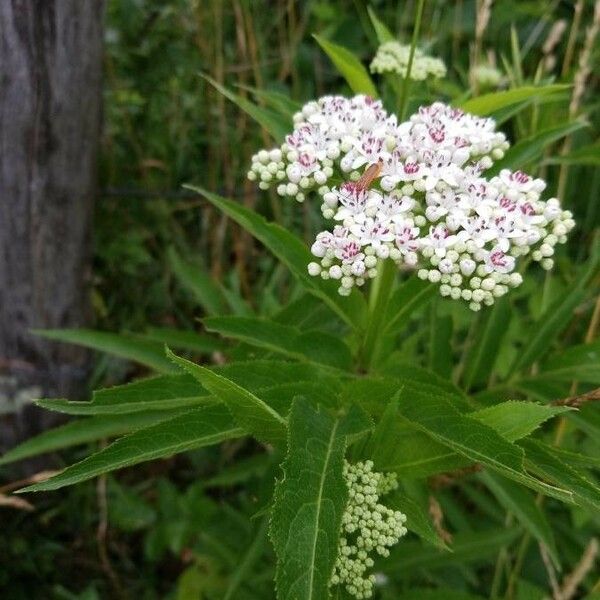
[(50, 111)]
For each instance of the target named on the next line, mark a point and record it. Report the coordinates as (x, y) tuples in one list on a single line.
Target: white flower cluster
[(393, 57), (367, 526), (414, 193), (325, 132)]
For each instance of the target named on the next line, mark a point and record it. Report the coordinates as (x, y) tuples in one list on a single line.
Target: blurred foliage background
[(152, 533)]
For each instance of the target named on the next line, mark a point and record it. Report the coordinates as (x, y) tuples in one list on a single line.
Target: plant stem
[(411, 56), (378, 301)]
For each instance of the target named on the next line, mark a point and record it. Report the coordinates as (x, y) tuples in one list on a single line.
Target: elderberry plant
[(367, 426)]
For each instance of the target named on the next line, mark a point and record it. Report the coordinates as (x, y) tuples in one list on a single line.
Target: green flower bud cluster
[(367, 527)]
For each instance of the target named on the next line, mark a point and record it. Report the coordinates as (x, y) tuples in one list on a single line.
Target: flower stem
[(378, 301), (411, 56)]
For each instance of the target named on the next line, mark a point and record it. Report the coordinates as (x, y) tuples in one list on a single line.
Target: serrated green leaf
[(350, 67), (129, 347), (438, 419), (314, 346), (294, 254), (249, 411), (521, 503), (308, 505), (516, 419), (192, 429), (165, 392), (81, 431), (488, 103)]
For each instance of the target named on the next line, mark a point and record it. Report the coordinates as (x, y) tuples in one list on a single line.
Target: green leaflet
[(489, 103), (437, 418), (515, 419), (521, 503), (314, 346), (167, 392), (130, 347), (294, 254), (350, 67), (192, 429), (82, 431), (308, 505), (249, 411)]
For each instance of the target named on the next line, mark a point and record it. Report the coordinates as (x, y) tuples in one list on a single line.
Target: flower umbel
[(428, 206), (392, 57), (367, 527)]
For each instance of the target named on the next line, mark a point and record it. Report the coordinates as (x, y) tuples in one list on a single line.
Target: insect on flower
[(368, 177)]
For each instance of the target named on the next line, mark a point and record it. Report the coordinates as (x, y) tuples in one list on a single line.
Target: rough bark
[(50, 111)]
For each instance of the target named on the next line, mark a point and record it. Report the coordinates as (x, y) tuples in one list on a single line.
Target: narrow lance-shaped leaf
[(293, 253), (83, 431), (199, 427), (271, 122), (129, 347), (350, 67), (314, 346), (249, 411), (381, 30), (309, 503), (488, 103), (436, 417), (531, 149)]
